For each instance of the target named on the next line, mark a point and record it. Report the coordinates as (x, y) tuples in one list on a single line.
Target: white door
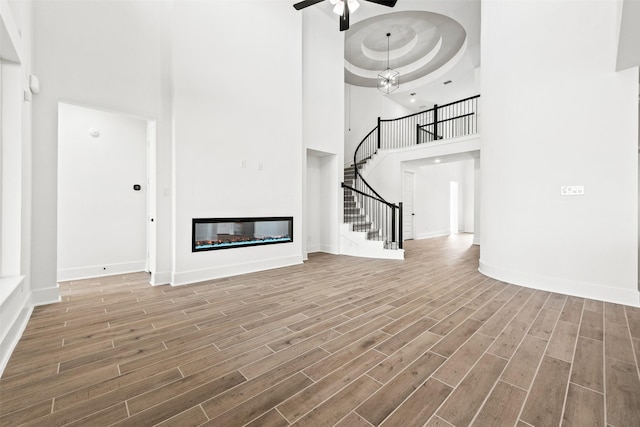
[(408, 190)]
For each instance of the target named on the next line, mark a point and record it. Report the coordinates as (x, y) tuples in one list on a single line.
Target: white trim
[(195, 276), (45, 296), (160, 278), (460, 145), (563, 286), (8, 285), (100, 270), (316, 247), (11, 339), (432, 234), (323, 248), (413, 202), (12, 45)]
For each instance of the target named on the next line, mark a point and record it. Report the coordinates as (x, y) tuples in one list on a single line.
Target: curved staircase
[(372, 226)]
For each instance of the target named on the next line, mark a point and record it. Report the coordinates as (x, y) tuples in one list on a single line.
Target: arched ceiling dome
[(420, 43)]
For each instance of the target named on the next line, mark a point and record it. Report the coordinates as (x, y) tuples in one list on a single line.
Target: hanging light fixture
[(389, 79)]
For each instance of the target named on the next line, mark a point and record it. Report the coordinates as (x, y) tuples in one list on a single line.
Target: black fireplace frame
[(240, 244)]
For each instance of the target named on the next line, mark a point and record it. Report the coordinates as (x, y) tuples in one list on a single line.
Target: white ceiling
[(432, 41), (420, 43), (417, 27)]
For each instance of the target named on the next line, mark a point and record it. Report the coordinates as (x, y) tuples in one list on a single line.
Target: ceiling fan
[(343, 8)]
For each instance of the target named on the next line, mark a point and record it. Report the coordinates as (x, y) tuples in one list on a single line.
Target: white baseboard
[(13, 335), (91, 271), (314, 247), (45, 296), (15, 311), (323, 248), (160, 278), (563, 286), (195, 276), (432, 234)]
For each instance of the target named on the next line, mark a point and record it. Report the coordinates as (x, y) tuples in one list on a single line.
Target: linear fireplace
[(225, 233)]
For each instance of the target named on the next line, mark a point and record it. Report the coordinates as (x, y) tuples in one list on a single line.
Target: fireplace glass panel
[(225, 233)]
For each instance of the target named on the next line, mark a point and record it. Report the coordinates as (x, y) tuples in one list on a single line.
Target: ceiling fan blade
[(344, 19), (305, 3), (388, 3)]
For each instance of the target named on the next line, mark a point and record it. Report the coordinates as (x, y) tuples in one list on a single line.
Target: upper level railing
[(448, 121)]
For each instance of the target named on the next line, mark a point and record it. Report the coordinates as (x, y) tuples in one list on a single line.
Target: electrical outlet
[(243, 163), (572, 190)]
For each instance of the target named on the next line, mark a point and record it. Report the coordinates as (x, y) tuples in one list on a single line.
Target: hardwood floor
[(337, 341)]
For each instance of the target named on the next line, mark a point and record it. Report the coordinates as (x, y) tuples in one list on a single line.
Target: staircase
[(373, 226), (352, 213), (359, 235)]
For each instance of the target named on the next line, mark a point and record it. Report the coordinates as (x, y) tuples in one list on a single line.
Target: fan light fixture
[(389, 79), (343, 8), (339, 6)]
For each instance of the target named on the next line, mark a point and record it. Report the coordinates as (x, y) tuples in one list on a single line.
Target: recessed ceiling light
[(437, 160)]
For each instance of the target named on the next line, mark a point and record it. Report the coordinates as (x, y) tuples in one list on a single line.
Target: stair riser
[(361, 227)]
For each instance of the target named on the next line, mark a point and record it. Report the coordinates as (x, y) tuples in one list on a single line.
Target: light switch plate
[(572, 190)]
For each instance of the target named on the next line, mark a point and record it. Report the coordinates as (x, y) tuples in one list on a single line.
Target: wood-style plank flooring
[(337, 341)]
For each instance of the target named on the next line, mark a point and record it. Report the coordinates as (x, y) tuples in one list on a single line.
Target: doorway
[(454, 226), (103, 193), (408, 204)]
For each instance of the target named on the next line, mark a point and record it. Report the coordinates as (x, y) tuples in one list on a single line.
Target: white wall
[(236, 104), (456, 157), (322, 213), (384, 171), (109, 55), (535, 141), (315, 224), (477, 199), (102, 226), (323, 130), (363, 106), (17, 290), (628, 18)]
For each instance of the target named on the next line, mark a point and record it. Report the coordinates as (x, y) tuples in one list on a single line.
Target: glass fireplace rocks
[(226, 233)]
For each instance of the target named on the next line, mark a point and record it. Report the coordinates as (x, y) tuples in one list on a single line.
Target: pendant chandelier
[(389, 79)]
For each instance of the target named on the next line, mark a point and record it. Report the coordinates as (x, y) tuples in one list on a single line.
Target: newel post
[(401, 234), (435, 122), (379, 120)]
